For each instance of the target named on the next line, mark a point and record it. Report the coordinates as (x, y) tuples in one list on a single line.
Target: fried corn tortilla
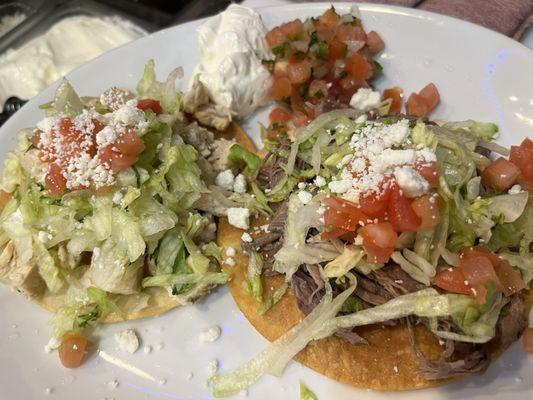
[(159, 301), (387, 363)]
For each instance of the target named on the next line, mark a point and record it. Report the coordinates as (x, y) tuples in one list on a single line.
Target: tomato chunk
[(522, 157), (478, 251), (337, 49), (318, 89), (358, 66), (334, 233), (151, 104), (417, 106), (401, 214), (342, 214), (479, 271), (381, 235), (281, 88), (527, 340), (72, 350), (511, 279), (55, 181), (430, 172), (279, 115), (500, 175), (330, 18), (374, 42), (346, 33), (431, 95), (427, 208), (292, 29), (298, 72), (395, 94), (453, 280), (375, 204), (275, 37)]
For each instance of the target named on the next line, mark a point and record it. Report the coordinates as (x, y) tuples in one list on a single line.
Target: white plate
[(480, 75)]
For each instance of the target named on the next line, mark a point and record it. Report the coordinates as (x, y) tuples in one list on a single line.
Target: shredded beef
[(395, 280), (457, 359), (514, 322), (271, 171), (269, 242)]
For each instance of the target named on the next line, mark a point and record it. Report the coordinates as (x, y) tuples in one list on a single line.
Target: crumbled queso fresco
[(377, 156), (82, 167)]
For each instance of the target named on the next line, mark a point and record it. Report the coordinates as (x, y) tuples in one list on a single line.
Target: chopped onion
[(338, 68), (300, 45), (354, 45)]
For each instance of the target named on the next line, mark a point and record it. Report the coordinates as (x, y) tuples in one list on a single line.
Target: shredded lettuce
[(209, 278), (253, 284), (306, 393), (238, 154)]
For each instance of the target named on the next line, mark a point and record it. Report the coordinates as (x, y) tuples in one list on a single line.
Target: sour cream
[(26, 71), (232, 48)]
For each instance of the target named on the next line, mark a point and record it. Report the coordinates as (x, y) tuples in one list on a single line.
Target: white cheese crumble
[(377, 155), (212, 367), (231, 252), (239, 217), (320, 181), (52, 344), (210, 335), (245, 237), (230, 261), (225, 179), (515, 189), (365, 99), (147, 349), (411, 182), (239, 186), (305, 197), (127, 340)]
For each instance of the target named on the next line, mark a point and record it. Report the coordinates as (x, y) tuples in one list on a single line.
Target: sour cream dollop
[(232, 48)]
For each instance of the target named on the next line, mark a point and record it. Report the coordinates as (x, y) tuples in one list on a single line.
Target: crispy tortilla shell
[(387, 363), (160, 301)]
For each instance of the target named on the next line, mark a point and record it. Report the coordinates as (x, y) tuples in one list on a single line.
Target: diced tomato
[(431, 95), (349, 85), (151, 104), (511, 280), (417, 106), (292, 29), (358, 66), (72, 350), (275, 37), (325, 34), (279, 115), (330, 18), (299, 119), (299, 72), (377, 255), (527, 340), (129, 143), (500, 175), (430, 172), (116, 160), (381, 235), (281, 88), (55, 181), (374, 42), (401, 214), (427, 208), (342, 214), (522, 157), (318, 89), (452, 280), (479, 271), (5, 197), (478, 251), (375, 204), (297, 103), (337, 49), (346, 33), (395, 94)]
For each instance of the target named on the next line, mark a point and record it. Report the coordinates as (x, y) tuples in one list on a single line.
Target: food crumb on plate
[(113, 384), (127, 340), (189, 376), (212, 367), (49, 390), (147, 349), (210, 335)]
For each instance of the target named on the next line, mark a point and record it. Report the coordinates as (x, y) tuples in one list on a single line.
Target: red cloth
[(510, 17)]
